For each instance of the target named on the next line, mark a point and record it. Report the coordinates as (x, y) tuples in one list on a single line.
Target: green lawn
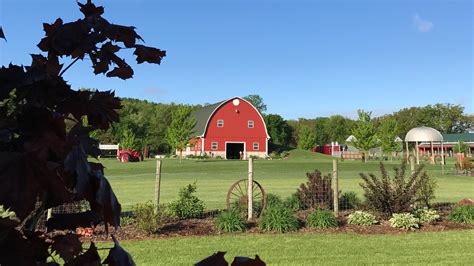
[(134, 182), (453, 247)]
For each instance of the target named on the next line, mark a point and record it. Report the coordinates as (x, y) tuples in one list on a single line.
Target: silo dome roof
[(420, 134)]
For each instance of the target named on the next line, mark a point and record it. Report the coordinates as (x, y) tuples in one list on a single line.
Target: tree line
[(143, 123)]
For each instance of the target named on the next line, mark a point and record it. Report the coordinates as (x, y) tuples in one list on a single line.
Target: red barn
[(231, 129)]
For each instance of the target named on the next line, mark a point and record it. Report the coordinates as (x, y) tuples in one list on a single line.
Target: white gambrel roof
[(419, 134)]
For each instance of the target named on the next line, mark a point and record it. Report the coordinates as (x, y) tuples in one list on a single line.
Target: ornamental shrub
[(279, 219), (404, 220), (273, 200), (230, 221), (321, 219), (462, 214), (145, 218), (426, 215), (293, 202), (317, 192), (361, 218), (349, 200), (396, 194), (188, 205)]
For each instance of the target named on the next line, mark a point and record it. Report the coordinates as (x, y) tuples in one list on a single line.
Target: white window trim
[(256, 144), (250, 122), (220, 120), (214, 148)]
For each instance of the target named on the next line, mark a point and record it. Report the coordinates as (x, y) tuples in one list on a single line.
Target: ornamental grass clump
[(462, 214), (405, 221), (278, 219), (321, 219), (230, 221), (361, 218), (426, 215)]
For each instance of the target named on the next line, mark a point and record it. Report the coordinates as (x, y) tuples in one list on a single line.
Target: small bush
[(126, 220), (188, 205), (321, 219), (404, 220), (398, 193), (425, 215), (317, 192), (145, 217), (361, 218), (462, 214), (279, 219), (230, 221), (293, 202), (273, 200), (349, 200)]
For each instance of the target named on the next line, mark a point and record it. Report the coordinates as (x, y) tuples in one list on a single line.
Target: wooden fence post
[(157, 185), (412, 164), (335, 182), (250, 190)]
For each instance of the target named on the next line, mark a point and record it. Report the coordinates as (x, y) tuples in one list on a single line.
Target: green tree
[(181, 129), (321, 130), (278, 129), (386, 134), (461, 147), (128, 140), (306, 138), (338, 128), (257, 102), (365, 133)]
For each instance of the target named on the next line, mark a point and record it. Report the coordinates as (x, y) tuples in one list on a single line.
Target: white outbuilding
[(426, 135)]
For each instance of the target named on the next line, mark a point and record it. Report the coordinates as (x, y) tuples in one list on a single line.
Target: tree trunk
[(180, 155)]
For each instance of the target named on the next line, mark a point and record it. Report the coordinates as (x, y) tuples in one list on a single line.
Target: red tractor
[(129, 156)]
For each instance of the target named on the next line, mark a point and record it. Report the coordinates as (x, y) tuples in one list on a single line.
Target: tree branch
[(70, 65)]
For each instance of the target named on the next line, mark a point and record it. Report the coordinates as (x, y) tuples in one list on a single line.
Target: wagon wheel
[(237, 196)]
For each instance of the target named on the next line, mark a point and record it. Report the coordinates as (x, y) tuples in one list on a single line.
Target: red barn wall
[(236, 128)]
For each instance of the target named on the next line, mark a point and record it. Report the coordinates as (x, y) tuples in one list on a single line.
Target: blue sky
[(305, 58)]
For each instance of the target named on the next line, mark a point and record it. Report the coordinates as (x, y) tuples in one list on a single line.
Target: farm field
[(453, 247), (135, 182)]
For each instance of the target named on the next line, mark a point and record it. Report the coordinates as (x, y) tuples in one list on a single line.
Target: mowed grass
[(135, 182), (453, 247)]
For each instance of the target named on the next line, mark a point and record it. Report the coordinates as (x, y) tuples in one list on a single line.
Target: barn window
[(250, 123), (220, 123), (213, 145), (256, 146)]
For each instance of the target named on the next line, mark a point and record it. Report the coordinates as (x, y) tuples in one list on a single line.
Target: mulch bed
[(205, 227)]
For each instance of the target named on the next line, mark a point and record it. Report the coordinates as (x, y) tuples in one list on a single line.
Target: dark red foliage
[(216, 259), (118, 256), (43, 162), (317, 192), (67, 246), (244, 261), (148, 54), (2, 35), (89, 258)]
